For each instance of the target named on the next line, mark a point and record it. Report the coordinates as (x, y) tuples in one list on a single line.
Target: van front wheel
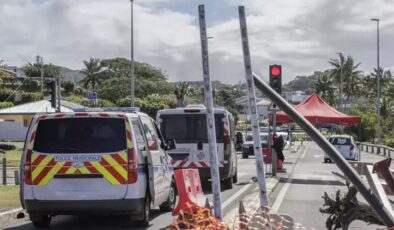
[(169, 204), (41, 221), (146, 213)]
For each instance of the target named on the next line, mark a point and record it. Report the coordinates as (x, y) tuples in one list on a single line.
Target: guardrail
[(381, 150)]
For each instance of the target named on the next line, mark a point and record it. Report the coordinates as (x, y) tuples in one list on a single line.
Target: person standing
[(278, 146)]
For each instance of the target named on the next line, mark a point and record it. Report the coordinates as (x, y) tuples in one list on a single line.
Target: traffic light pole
[(252, 109), (330, 150), (274, 157)]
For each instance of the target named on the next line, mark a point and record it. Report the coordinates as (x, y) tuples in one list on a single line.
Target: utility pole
[(217, 200), (40, 62), (59, 93), (132, 80), (378, 82), (258, 153)]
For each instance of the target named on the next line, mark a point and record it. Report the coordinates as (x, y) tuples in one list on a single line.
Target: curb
[(17, 213)]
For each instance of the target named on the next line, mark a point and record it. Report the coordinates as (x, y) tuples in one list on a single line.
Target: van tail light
[(27, 168), (351, 146), (132, 166), (226, 137)]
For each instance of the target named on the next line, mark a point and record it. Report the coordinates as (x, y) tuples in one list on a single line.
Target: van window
[(186, 128), (139, 134), (151, 135), (340, 141), (80, 135)]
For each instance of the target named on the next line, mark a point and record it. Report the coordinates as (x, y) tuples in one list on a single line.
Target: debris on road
[(196, 217)]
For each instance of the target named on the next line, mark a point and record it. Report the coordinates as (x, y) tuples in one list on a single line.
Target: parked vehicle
[(188, 126), (95, 162), (247, 146), (346, 145)]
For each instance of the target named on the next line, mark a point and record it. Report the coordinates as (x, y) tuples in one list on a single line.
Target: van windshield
[(340, 141), (80, 135), (186, 128)]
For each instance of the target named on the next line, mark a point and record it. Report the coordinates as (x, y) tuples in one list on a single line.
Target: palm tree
[(325, 88), (350, 75), (92, 72), (181, 90)]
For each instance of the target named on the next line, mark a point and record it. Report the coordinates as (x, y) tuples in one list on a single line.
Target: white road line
[(235, 196), (275, 207)]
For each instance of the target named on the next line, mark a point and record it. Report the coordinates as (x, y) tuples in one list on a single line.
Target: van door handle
[(199, 145)]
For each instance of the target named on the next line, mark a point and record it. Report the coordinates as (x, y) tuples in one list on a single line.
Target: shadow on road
[(90, 222)]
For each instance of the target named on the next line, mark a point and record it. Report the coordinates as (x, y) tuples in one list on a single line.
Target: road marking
[(281, 196), (235, 196)]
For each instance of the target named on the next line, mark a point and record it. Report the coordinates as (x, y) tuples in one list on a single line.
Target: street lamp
[(340, 82), (132, 57), (378, 82)]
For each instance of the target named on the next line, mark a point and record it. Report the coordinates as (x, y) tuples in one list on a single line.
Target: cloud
[(299, 34)]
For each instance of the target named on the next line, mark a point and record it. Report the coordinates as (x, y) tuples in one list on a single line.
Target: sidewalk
[(251, 200)]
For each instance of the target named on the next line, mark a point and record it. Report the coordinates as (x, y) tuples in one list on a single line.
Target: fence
[(12, 131), (382, 150)]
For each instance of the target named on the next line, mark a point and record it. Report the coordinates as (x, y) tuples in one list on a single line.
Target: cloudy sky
[(299, 34)]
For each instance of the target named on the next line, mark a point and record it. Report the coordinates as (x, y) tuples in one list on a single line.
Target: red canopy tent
[(317, 111)]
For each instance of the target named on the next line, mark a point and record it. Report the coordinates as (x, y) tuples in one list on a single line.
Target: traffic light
[(51, 90), (276, 78)]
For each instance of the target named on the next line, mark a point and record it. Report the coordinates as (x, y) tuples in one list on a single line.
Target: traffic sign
[(91, 95)]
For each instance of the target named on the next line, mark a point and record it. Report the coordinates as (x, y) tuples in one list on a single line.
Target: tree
[(34, 70), (3, 74), (181, 90), (325, 88), (92, 72), (347, 69), (148, 79)]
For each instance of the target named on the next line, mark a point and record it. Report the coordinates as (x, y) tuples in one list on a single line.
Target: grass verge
[(9, 197), (13, 158)]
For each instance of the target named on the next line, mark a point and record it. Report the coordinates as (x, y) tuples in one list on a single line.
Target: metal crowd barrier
[(381, 150)]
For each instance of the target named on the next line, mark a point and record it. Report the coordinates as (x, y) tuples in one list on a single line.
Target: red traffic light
[(275, 71)]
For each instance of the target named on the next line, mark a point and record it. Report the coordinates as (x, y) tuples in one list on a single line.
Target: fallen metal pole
[(215, 176), (330, 150)]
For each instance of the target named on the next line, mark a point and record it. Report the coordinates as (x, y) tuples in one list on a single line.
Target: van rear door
[(79, 158), (190, 133), (343, 145)]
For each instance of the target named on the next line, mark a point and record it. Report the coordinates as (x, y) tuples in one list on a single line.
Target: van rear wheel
[(228, 183), (41, 221), (235, 177)]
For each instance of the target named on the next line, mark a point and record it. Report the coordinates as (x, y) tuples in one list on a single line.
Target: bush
[(29, 97), (6, 93), (74, 98), (388, 139), (6, 104), (151, 104), (68, 87)]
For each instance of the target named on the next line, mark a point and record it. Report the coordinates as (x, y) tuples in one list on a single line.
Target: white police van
[(95, 162), (188, 127)]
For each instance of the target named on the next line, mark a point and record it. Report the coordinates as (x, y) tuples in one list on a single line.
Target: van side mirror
[(170, 144)]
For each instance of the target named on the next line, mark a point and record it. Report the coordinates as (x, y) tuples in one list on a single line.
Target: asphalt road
[(159, 220), (300, 194)]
